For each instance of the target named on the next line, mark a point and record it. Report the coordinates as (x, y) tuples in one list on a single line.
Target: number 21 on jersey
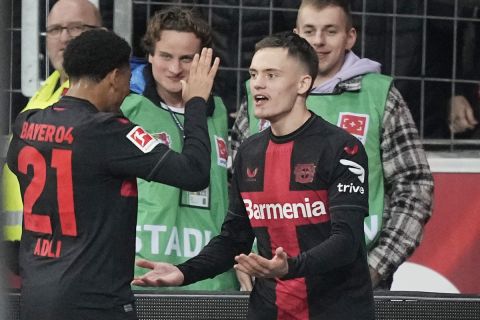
[(61, 161)]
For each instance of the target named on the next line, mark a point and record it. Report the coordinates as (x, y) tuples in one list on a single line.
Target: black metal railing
[(389, 305)]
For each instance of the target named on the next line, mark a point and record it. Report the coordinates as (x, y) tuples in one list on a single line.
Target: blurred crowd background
[(430, 47)]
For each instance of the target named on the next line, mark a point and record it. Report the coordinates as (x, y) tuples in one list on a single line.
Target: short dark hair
[(176, 19), (94, 54), (296, 46), (322, 4)]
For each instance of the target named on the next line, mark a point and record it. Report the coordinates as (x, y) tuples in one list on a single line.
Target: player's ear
[(351, 38), (114, 77), (111, 77), (304, 84)]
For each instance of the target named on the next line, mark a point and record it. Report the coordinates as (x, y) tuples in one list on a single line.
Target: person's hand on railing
[(461, 117)]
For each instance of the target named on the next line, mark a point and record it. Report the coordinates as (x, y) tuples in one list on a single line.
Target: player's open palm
[(260, 267), (161, 274), (201, 76)]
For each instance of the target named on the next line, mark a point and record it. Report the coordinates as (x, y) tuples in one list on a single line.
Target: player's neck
[(288, 123), (86, 90)]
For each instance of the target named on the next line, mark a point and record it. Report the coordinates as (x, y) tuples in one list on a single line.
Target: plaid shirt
[(407, 179)]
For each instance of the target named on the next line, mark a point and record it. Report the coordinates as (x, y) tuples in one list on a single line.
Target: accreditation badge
[(197, 199)]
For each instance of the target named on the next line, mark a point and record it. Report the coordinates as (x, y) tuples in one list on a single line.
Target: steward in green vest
[(173, 225)]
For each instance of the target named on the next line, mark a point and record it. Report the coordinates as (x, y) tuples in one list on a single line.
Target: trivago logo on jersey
[(354, 123), (222, 151), (354, 168), (142, 139), (350, 188)]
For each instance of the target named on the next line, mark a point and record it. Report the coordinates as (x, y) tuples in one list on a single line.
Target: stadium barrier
[(394, 305)]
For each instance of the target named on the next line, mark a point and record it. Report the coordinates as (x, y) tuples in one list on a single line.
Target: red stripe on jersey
[(281, 210), (129, 188)]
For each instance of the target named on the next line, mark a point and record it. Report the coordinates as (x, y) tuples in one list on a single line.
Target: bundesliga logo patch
[(222, 151), (354, 123), (142, 139)]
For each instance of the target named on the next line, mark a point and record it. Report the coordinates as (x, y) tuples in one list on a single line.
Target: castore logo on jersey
[(351, 150), (251, 173)]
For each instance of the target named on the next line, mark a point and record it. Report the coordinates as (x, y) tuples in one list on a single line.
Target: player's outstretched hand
[(161, 275), (245, 281), (202, 73), (258, 266)]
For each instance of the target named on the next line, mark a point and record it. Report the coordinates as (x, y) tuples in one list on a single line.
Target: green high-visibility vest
[(360, 113), (174, 224)]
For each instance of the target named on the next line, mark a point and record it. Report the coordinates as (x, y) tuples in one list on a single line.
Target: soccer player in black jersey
[(300, 187), (77, 163)]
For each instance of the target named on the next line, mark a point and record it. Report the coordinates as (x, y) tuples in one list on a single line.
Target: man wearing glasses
[(66, 20)]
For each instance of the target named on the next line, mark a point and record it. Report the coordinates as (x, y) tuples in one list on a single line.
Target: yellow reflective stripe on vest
[(12, 225), (12, 218)]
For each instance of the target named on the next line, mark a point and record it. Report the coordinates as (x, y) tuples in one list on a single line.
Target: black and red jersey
[(308, 193), (77, 170)]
